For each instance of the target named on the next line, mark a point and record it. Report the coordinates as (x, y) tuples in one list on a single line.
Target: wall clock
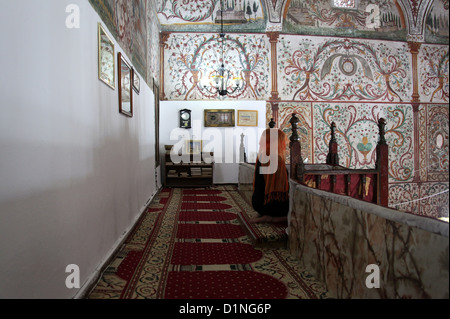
[(185, 118)]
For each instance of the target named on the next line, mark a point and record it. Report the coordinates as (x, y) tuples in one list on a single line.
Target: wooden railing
[(370, 185)]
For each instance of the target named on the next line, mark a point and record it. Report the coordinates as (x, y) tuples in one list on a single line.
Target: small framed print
[(219, 118), (125, 86), (106, 58), (193, 147), (247, 118), (136, 82)]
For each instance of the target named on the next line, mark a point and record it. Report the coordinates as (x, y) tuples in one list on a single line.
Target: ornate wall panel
[(428, 194), (153, 67), (426, 198), (405, 197), (437, 143), (357, 135), (433, 72), (434, 142), (434, 199), (340, 69), (436, 23), (354, 19), (204, 15), (305, 115), (191, 58)]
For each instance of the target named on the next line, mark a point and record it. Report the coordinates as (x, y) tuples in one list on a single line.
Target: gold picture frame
[(125, 86), (136, 82), (247, 118), (106, 58), (219, 118)]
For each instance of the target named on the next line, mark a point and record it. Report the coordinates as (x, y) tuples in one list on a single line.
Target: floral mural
[(433, 70), (422, 191), (343, 69), (192, 60)]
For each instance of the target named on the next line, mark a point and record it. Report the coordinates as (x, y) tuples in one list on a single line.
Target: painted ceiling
[(409, 20)]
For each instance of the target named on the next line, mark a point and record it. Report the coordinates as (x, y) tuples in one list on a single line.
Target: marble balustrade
[(336, 237), (246, 172)]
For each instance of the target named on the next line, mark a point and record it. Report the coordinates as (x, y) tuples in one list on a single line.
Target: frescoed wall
[(205, 15), (191, 60), (318, 68), (363, 18), (352, 82), (135, 26), (437, 24), (327, 61)]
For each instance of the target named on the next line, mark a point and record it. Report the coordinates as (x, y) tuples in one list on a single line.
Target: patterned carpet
[(189, 245)]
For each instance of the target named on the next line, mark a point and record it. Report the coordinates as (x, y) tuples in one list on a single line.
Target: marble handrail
[(425, 223)]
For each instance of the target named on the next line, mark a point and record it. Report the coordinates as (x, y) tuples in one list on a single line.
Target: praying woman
[(271, 180)]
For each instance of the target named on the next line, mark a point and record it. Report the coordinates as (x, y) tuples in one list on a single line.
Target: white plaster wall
[(74, 173), (227, 141)]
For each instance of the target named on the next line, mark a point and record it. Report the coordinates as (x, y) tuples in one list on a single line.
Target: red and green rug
[(189, 245)]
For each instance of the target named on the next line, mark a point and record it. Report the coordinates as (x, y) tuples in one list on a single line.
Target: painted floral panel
[(438, 143), (433, 73), (405, 197), (357, 135), (305, 126), (192, 61), (434, 199), (343, 70)]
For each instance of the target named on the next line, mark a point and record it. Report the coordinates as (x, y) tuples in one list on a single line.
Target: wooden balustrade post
[(333, 157), (382, 166), (297, 166), (348, 182), (333, 181)]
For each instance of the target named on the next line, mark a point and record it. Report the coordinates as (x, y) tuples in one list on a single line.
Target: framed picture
[(157, 120), (136, 82), (219, 118), (247, 118), (193, 147), (106, 58), (125, 87)]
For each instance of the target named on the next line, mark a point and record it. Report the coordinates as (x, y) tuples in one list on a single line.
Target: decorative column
[(273, 39), (414, 48), (164, 36)]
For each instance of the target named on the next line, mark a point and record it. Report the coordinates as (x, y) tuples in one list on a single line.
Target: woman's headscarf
[(276, 184)]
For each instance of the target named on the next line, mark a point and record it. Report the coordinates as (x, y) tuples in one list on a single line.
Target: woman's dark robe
[(272, 208)]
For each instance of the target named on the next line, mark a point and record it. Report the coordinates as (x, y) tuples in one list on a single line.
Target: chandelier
[(221, 81)]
